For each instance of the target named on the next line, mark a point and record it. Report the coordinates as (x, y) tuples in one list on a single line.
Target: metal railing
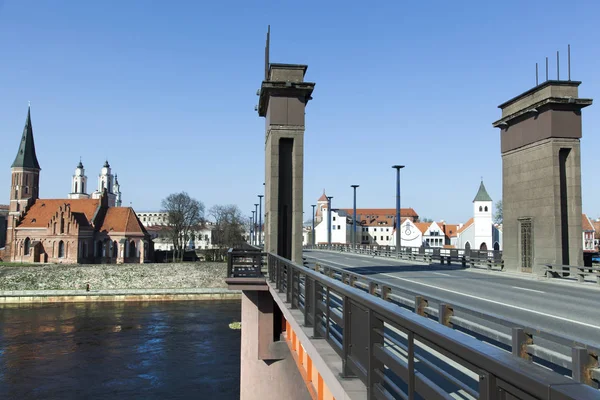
[(399, 354), (488, 259), (558, 352), (557, 271), (245, 263)]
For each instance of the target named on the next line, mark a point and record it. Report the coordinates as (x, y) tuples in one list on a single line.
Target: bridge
[(355, 322)]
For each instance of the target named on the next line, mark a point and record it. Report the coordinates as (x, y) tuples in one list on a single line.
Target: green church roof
[(482, 194), (26, 157)]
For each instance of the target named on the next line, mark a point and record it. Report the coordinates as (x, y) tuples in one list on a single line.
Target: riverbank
[(48, 277), (82, 296)]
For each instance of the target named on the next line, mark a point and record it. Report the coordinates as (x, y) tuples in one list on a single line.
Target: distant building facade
[(480, 233), (157, 224), (78, 229)]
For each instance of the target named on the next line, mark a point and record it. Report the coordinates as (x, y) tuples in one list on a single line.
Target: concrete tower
[(482, 220), (541, 176), (79, 184), (283, 98), (24, 190)]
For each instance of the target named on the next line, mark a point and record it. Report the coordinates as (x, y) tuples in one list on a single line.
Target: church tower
[(105, 182), (79, 184), (321, 206), (117, 192), (482, 219), (24, 190)]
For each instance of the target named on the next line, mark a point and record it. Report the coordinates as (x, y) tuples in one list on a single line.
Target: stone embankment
[(109, 276)]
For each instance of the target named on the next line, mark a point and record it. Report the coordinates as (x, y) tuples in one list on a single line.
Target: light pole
[(252, 226), (260, 196), (354, 219), (329, 221), (313, 226), (398, 220), (255, 222)]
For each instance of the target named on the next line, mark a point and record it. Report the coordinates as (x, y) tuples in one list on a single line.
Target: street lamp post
[(398, 220), (260, 196), (255, 222), (354, 219), (313, 225), (252, 226), (329, 221)]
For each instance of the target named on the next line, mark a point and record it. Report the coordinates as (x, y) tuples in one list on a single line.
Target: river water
[(150, 350)]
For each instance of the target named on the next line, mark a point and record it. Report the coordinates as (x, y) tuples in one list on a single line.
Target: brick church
[(80, 229)]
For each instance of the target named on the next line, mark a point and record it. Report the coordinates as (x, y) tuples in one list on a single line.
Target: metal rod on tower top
[(255, 223), (546, 68), (569, 61), (536, 74), (557, 67)]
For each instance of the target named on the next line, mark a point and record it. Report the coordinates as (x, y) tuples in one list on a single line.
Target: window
[(486, 208), (339, 227), (18, 207), (26, 246), (61, 249), (333, 218), (387, 229), (26, 189), (387, 238), (333, 227), (62, 223), (480, 208)]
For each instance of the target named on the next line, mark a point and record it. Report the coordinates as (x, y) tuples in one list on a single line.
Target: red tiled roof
[(323, 196), (596, 225), (585, 223), (450, 230), (422, 226), (381, 212), (465, 226), (43, 210), (122, 219)]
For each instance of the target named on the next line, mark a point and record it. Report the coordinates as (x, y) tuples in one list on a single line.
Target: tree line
[(186, 215)]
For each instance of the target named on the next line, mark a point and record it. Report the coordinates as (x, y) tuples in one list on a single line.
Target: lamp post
[(398, 220), (329, 221), (260, 196), (313, 225), (354, 219), (252, 226), (255, 222)]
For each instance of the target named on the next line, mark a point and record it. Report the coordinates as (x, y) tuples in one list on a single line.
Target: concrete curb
[(79, 296)]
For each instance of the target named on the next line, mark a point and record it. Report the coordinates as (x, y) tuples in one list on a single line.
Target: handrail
[(370, 332), (556, 270), (446, 315)]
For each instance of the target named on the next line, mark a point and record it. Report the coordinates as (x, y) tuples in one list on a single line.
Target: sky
[(165, 90)]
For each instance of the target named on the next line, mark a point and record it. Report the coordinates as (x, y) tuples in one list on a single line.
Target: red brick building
[(67, 230)]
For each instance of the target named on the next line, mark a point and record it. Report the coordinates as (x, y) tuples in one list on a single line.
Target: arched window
[(115, 249), (82, 187), (61, 249), (76, 187), (486, 208), (496, 246), (132, 252), (467, 246), (84, 249), (483, 246), (480, 208), (62, 223), (54, 229), (18, 207), (26, 246)]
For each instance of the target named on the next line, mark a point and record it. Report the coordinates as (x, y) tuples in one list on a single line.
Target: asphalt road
[(565, 309)]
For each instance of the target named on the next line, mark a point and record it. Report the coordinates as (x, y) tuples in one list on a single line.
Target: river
[(148, 350)]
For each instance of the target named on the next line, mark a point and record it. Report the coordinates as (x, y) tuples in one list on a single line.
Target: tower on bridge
[(541, 176), (283, 98)]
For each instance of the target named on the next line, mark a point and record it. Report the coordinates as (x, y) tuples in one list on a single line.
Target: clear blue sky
[(166, 91)]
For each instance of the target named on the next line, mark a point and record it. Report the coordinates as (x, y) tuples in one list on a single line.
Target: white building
[(480, 233), (588, 234), (157, 225), (434, 236), (79, 185), (411, 234), (341, 228)]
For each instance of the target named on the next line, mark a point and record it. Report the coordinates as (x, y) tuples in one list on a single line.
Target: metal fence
[(489, 259), (399, 354)]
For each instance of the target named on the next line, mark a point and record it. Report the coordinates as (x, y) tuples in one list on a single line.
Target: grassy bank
[(108, 276)]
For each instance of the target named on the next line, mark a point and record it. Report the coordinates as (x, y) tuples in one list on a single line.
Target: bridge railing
[(558, 352), (581, 273), (489, 259), (398, 354), (245, 263)]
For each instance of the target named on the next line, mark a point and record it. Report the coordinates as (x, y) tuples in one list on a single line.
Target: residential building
[(157, 224), (588, 234), (72, 230)]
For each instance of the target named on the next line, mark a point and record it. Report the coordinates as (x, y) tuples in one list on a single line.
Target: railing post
[(445, 312), (410, 339), (294, 289), (583, 363), (229, 264), (374, 364), (317, 314), (289, 284), (385, 292), (308, 300), (372, 288), (487, 386), (420, 305), (346, 338), (520, 341)]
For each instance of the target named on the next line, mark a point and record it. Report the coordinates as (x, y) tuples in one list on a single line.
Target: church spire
[(26, 157)]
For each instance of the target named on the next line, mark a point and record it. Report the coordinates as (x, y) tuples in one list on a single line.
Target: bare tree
[(230, 226), (184, 213), (498, 214)]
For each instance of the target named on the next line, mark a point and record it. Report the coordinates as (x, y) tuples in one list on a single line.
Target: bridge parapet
[(396, 353)]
